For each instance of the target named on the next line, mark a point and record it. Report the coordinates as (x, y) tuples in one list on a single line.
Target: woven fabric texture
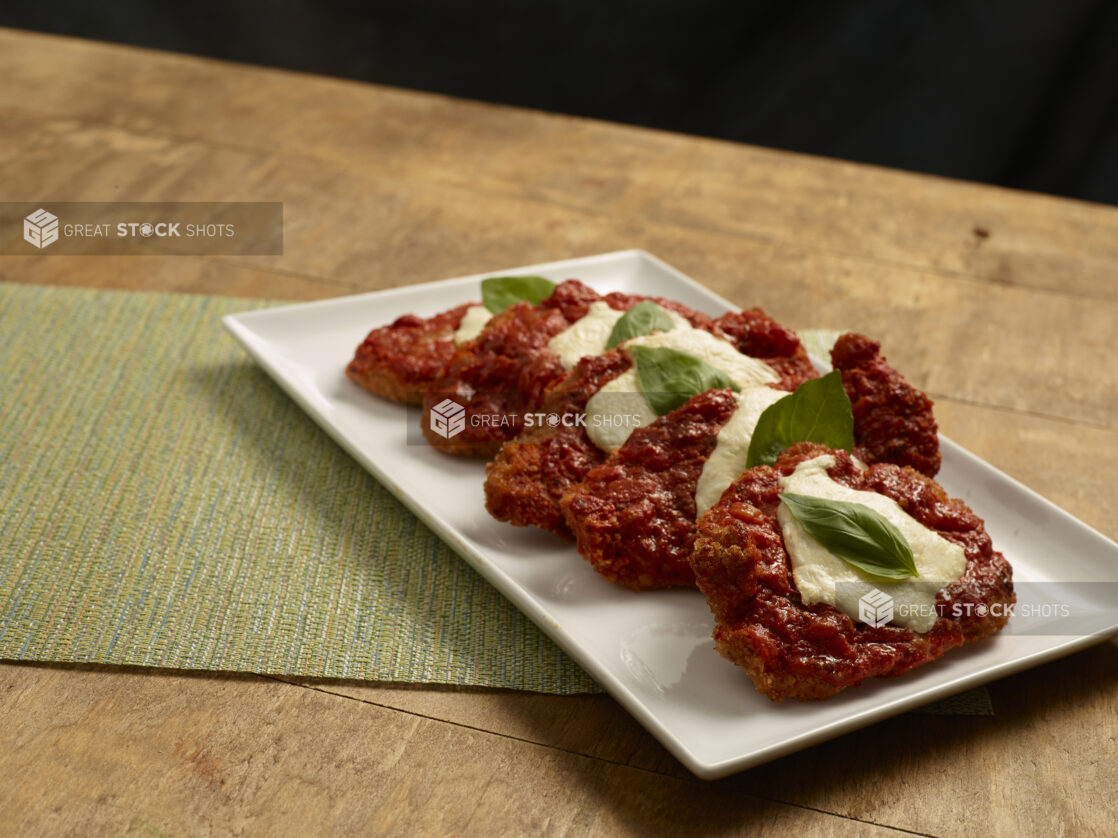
[(165, 504)]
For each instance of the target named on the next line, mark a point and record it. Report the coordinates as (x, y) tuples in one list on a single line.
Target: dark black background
[(1021, 93)]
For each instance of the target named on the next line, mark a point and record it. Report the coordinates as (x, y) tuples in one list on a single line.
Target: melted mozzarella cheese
[(586, 336), (744, 370), (823, 577), (473, 321), (589, 334), (616, 411), (618, 408), (731, 449)]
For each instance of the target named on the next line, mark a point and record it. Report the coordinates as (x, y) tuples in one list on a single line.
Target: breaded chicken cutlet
[(893, 421), (404, 359), (791, 649)]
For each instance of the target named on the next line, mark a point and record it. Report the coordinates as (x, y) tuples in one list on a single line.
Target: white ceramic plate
[(652, 651)]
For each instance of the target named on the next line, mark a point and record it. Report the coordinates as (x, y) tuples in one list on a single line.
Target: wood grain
[(922, 318), (1001, 304), (102, 751), (605, 170)]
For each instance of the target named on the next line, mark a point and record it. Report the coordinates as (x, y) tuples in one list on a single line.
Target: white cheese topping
[(823, 577), (614, 411), (586, 336), (589, 334), (744, 370), (473, 321), (727, 460)]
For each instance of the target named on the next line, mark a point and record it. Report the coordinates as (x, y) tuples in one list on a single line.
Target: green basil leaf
[(818, 411), (860, 536), (642, 319), (500, 292), (668, 377)]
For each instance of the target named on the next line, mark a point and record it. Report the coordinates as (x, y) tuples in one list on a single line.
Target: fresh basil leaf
[(642, 319), (668, 377), (500, 292), (860, 536), (818, 411)]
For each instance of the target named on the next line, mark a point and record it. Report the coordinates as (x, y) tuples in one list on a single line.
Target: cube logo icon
[(40, 228), (875, 608), (448, 418)]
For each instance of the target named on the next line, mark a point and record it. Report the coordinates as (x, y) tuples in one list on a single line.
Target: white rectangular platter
[(652, 651)]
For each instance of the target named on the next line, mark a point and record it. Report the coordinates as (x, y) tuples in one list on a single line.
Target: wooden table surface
[(1002, 305)]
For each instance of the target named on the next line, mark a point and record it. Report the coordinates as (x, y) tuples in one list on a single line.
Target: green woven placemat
[(165, 504)]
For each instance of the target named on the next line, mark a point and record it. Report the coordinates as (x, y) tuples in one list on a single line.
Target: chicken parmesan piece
[(404, 359), (503, 373), (633, 517), (796, 646), (893, 421)]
